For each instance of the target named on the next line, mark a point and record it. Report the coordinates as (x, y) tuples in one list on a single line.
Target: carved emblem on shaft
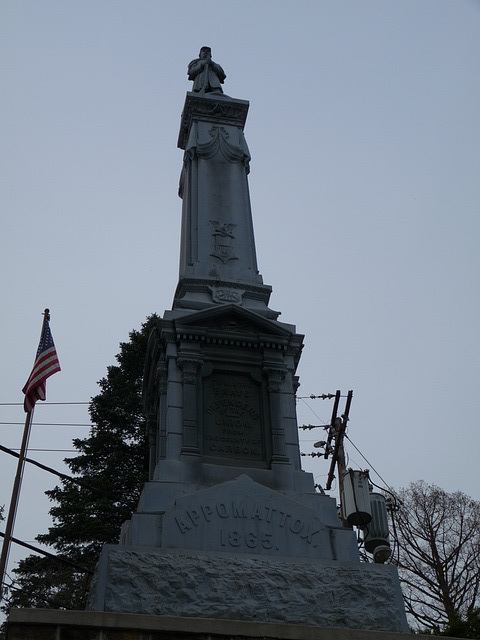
[(223, 240), (227, 295)]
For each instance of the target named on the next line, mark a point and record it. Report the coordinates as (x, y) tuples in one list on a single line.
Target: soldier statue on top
[(206, 74)]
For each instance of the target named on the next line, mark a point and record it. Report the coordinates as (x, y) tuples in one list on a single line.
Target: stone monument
[(228, 525)]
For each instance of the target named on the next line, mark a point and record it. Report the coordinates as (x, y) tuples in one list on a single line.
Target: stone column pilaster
[(162, 380), (275, 377), (190, 368)]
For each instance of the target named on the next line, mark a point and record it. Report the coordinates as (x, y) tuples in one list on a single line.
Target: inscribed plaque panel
[(232, 417)]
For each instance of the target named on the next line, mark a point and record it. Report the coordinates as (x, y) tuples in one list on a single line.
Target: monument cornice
[(233, 326), (236, 341), (205, 282), (216, 108), (221, 292)]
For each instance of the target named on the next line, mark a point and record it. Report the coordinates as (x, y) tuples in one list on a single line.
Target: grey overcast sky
[(365, 186)]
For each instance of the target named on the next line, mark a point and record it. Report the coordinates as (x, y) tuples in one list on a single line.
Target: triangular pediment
[(232, 319)]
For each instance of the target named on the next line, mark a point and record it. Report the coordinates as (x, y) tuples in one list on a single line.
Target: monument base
[(51, 624), (321, 593)]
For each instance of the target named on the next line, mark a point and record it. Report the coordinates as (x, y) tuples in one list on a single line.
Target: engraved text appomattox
[(232, 418)]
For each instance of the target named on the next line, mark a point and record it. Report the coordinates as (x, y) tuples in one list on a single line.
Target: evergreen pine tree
[(112, 460)]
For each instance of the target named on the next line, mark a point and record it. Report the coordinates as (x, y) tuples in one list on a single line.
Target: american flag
[(45, 365)]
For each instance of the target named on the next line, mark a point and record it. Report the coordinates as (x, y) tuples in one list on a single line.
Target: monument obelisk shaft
[(218, 261)]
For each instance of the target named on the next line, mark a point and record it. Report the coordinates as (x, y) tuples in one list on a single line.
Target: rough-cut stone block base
[(320, 593)]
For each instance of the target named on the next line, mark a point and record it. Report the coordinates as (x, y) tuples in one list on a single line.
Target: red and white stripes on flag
[(45, 365)]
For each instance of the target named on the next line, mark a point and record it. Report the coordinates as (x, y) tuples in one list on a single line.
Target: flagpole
[(12, 512)]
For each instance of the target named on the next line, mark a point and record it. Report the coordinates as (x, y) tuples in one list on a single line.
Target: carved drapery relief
[(220, 142)]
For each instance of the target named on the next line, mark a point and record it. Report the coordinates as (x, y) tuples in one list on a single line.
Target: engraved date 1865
[(251, 540)]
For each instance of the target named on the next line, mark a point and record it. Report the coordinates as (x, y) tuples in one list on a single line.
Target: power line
[(52, 424), (369, 463), (323, 396), (20, 404), (48, 450), (65, 477), (309, 427), (312, 455), (310, 408), (48, 554), (313, 426)]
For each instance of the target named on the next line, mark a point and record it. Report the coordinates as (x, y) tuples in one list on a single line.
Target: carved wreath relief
[(226, 294)]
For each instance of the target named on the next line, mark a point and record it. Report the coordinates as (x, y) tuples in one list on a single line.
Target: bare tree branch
[(438, 538)]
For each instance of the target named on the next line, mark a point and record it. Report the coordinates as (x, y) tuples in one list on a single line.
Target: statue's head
[(204, 52)]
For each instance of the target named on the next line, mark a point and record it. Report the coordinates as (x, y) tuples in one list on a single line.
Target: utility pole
[(337, 431)]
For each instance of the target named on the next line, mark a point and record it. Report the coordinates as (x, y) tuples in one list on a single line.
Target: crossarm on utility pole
[(339, 435)]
